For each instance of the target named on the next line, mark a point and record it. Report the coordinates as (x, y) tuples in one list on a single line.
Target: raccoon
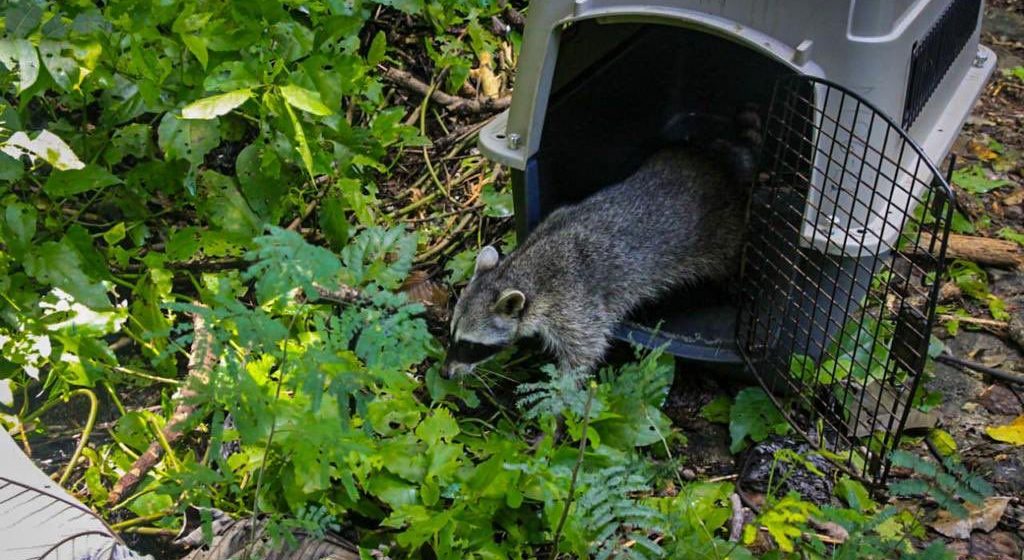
[(678, 220)]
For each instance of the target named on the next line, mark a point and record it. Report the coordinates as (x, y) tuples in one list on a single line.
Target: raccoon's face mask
[(486, 319)]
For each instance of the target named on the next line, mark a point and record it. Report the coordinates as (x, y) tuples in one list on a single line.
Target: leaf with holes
[(21, 55), (187, 139), (62, 68)]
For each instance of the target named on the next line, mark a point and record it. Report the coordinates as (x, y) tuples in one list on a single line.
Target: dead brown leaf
[(1014, 198), (981, 150), (985, 518), (420, 288), (490, 84)]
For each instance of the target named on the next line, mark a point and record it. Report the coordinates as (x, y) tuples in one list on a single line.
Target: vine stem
[(90, 422), (270, 436), (575, 472)]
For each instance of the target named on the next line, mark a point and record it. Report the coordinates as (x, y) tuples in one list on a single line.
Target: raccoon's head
[(486, 318)]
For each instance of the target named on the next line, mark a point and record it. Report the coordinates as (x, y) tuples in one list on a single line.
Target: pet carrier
[(849, 218)]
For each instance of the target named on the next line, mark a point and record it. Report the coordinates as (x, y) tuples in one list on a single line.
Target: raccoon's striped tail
[(742, 152)]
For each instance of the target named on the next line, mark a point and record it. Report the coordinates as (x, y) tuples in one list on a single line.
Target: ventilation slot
[(933, 55)]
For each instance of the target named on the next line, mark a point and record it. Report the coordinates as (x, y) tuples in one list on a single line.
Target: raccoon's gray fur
[(679, 219)]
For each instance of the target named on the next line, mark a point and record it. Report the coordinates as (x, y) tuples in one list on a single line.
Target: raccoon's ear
[(486, 260), (510, 303)]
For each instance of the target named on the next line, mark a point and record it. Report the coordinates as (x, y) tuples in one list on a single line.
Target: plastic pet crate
[(849, 218)]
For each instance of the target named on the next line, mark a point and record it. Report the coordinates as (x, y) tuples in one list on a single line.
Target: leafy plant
[(949, 484), (754, 415), (609, 522), (974, 180), (1011, 235), (973, 281)]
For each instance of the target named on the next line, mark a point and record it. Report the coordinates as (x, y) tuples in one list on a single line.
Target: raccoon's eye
[(472, 352)]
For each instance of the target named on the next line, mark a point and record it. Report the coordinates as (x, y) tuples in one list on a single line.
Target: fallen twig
[(339, 294), (994, 372), (981, 322), (453, 103), (982, 250), (200, 363), (738, 518), (320, 182)]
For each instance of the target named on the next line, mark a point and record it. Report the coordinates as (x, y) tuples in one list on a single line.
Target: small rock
[(1007, 474), (761, 459), (969, 407), (997, 399), (688, 474), (994, 546)]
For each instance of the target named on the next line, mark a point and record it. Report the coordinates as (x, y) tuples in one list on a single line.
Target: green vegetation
[(227, 161)]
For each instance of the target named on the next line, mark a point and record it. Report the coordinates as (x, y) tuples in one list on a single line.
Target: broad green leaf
[(67, 183), (226, 207), (216, 105), (11, 169), (46, 146), (378, 47), (187, 139), (1010, 234), (300, 142), (754, 415), (62, 68), (855, 495), (60, 265), (230, 76), (496, 204), (264, 187), (133, 139), (974, 180), (22, 18), (439, 426), (305, 100), (18, 228), (717, 410), (292, 40), (20, 54), (412, 7), (333, 221), (115, 234), (942, 442), (197, 46)]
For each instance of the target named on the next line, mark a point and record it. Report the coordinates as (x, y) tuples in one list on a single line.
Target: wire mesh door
[(845, 251)]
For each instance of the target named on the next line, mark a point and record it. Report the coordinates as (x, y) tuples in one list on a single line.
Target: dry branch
[(982, 250), (454, 103), (738, 518), (200, 363)]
